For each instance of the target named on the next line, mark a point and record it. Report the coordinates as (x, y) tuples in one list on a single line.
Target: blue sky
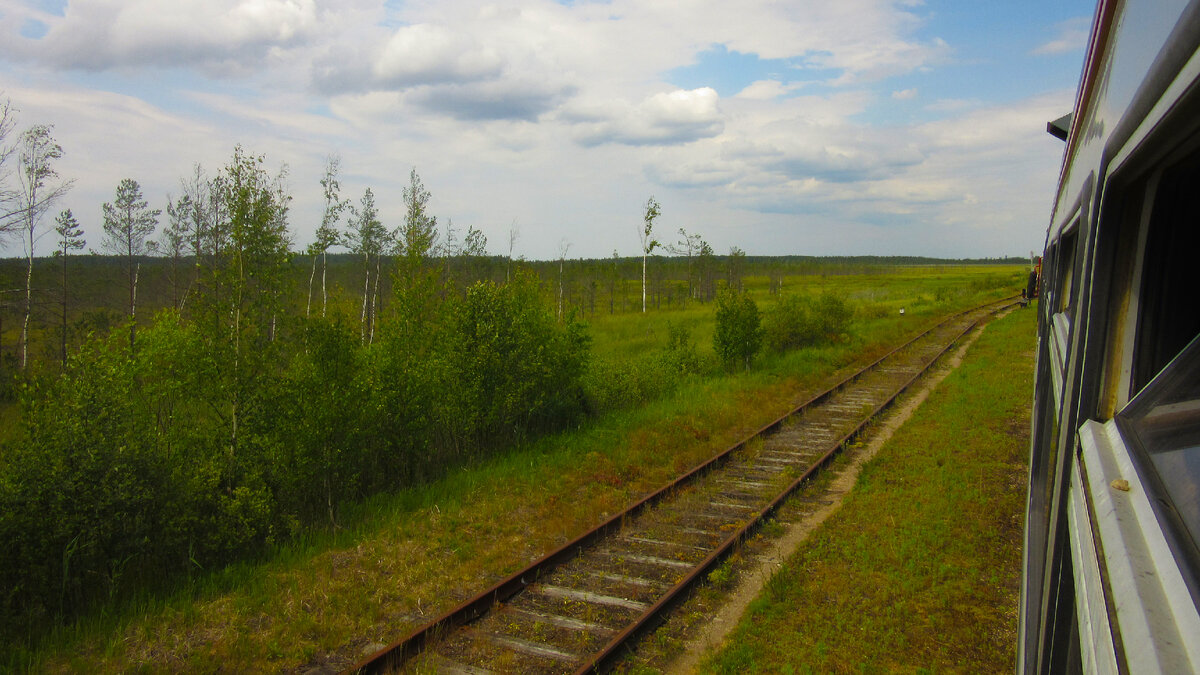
[(808, 127)]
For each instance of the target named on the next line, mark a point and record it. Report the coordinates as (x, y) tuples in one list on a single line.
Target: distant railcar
[(1111, 579)]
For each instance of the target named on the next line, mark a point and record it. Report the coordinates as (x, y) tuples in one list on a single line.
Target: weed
[(722, 576)]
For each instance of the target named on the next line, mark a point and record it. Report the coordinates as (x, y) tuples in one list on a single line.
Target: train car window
[(1117, 262), (1162, 419), (1064, 296), (1164, 422), (1049, 274), (1168, 317)]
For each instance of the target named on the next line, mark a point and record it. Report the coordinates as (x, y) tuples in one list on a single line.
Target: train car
[(1111, 560)]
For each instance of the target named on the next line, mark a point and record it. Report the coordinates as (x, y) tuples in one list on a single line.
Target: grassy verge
[(919, 571)]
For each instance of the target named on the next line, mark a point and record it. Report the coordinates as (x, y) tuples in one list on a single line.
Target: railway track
[(578, 608)]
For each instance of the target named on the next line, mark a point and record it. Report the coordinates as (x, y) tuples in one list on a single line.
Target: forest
[(203, 391)]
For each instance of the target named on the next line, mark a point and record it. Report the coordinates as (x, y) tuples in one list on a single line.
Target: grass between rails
[(402, 559), (919, 571)]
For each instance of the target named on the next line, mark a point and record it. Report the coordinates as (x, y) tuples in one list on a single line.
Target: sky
[(807, 127)]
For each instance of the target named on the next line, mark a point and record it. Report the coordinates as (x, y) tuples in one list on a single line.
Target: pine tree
[(128, 221), (70, 238)]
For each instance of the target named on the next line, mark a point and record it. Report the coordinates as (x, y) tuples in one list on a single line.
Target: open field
[(919, 571), (397, 559)]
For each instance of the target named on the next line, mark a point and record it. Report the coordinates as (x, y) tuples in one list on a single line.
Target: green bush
[(797, 322), (680, 356), (737, 336), (513, 367)]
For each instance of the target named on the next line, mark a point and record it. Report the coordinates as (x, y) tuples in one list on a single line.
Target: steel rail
[(392, 656)]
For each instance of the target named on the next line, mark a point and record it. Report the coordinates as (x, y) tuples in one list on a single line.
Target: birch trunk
[(366, 289), (28, 302), (308, 307)]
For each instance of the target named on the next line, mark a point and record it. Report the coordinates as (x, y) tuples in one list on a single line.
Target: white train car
[(1112, 536)]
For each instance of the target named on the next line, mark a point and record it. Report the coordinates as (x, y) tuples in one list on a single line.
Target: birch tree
[(689, 246), (563, 247), (514, 233), (327, 235), (39, 188), (128, 221), (417, 236), (70, 238), (366, 236), (652, 211), (176, 239), (416, 241), (737, 265), (250, 279), (474, 252)]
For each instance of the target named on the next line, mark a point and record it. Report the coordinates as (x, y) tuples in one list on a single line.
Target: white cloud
[(281, 115), (764, 90), (904, 94), (981, 180), (1072, 35), (103, 34), (665, 118), (427, 54)]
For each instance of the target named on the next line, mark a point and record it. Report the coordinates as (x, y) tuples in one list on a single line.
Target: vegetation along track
[(578, 608)]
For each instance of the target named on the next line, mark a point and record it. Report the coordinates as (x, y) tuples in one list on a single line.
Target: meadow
[(654, 402)]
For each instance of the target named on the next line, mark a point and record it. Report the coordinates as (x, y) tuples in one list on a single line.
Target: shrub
[(833, 317), (515, 368), (797, 322), (679, 356), (738, 333)]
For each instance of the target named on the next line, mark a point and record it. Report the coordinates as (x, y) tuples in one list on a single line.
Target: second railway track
[(578, 608)]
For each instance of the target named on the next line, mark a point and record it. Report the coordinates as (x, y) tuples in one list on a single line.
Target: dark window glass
[(1066, 274), (1169, 313)]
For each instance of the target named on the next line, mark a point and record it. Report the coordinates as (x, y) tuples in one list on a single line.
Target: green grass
[(875, 298), (401, 559), (919, 571)]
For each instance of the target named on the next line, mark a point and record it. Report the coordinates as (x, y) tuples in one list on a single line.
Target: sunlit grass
[(919, 571), (919, 290)]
